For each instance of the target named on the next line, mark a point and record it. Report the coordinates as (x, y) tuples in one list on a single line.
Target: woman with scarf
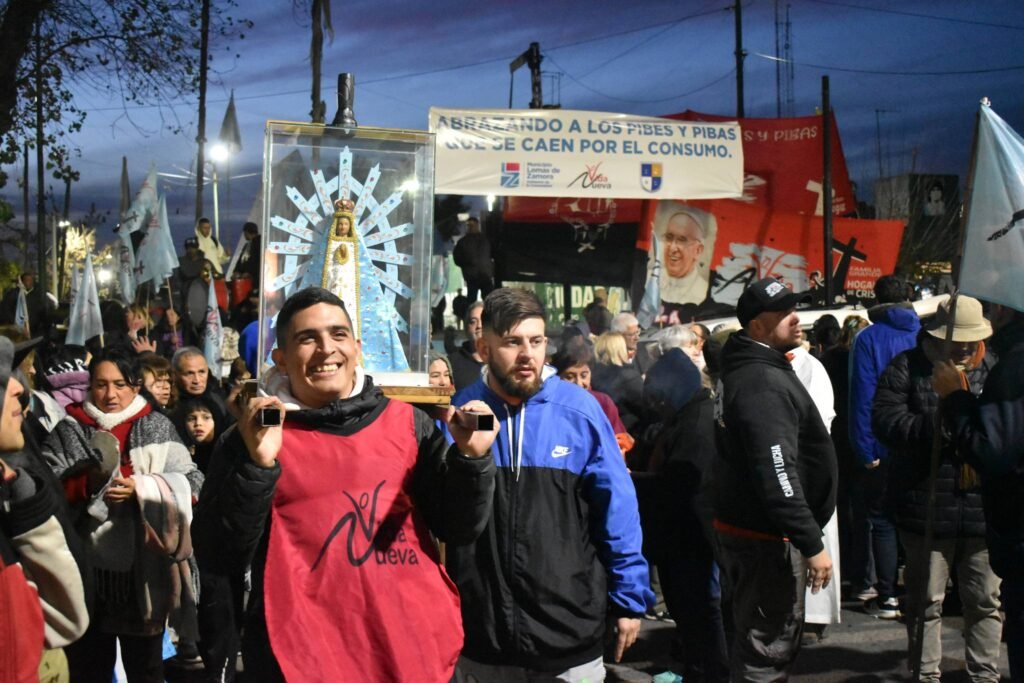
[(130, 482)]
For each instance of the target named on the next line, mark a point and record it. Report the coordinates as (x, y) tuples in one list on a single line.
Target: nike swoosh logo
[(560, 452)]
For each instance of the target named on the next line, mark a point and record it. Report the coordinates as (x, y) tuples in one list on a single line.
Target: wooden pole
[(40, 167), (204, 53), (929, 524), (920, 596), (826, 187), (740, 56), (28, 206)]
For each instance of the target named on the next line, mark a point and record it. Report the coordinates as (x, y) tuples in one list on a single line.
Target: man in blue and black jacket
[(561, 553)]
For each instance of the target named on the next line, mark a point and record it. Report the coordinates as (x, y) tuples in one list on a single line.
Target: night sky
[(924, 65)]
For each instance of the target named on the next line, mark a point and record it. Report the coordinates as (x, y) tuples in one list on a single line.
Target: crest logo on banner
[(650, 177), (510, 174)]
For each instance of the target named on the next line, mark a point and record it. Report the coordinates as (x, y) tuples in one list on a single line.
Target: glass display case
[(351, 210)]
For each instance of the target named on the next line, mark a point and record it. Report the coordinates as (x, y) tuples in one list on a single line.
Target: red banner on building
[(707, 252), (783, 161)]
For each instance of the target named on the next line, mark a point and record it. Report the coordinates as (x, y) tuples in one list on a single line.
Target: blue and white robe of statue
[(377, 323)]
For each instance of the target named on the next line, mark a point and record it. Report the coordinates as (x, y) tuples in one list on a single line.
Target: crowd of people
[(747, 446), (579, 483)]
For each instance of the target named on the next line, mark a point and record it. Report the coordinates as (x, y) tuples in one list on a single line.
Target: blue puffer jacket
[(562, 547), (894, 330)]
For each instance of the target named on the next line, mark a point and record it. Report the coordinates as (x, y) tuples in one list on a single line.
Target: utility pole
[(778, 64), (826, 187), (532, 58), (878, 140), (40, 166), (740, 56), (204, 56), (26, 198)]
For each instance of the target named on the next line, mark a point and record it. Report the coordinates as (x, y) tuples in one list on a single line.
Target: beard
[(523, 389), (786, 346)]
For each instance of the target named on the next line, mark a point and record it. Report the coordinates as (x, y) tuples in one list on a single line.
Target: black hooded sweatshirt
[(776, 473)]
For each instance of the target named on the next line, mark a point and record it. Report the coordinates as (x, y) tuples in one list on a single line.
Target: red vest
[(353, 586), (21, 627)]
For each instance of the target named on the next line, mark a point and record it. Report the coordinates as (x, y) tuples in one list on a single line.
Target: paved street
[(861, 649)]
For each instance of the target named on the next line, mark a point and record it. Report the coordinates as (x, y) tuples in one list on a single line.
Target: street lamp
[(219, 153)]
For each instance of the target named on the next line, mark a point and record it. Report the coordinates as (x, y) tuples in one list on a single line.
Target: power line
[(919, 15), (881, 72), (637, 101), (456, 67)]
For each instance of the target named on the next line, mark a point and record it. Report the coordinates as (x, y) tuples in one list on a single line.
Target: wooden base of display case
[(434, 396)]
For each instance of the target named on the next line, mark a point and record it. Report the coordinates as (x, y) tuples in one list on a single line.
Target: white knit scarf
[(107, 421)]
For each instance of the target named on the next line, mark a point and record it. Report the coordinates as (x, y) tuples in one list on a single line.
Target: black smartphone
[(270, 417)]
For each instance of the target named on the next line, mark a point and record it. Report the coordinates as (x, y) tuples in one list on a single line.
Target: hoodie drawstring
[(517, 453)]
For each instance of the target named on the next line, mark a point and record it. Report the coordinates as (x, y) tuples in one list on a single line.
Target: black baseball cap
[(764, 295)]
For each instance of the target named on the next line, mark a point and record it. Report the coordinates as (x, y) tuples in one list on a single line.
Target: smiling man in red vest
[(334, 511)]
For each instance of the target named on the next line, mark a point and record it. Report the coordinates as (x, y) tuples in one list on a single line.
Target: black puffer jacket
[(990, 429), (903, 418)]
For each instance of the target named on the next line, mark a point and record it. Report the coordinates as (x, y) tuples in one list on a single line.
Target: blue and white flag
[(76, 284), (142, 207), (126, 266), (994, 234), (213, 333), (85, 321), (650, 305), (21, 312), (157, 258)]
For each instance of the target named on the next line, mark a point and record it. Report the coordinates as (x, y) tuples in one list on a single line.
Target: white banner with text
[(565, 153)]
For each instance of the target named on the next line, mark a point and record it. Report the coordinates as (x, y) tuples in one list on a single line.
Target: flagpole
[(924, 560), (968, 199), (918, 605)]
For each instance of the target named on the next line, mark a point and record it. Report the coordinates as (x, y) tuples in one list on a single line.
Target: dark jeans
[(220, 610), (1013, 627), (91, 659), (768, 580), (694, 600), (875, 545), (481, 286)]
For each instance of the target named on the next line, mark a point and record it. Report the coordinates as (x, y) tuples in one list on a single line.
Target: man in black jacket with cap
[(775, 485)]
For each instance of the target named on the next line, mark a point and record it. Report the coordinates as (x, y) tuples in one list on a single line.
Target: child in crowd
[(201, 430)]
